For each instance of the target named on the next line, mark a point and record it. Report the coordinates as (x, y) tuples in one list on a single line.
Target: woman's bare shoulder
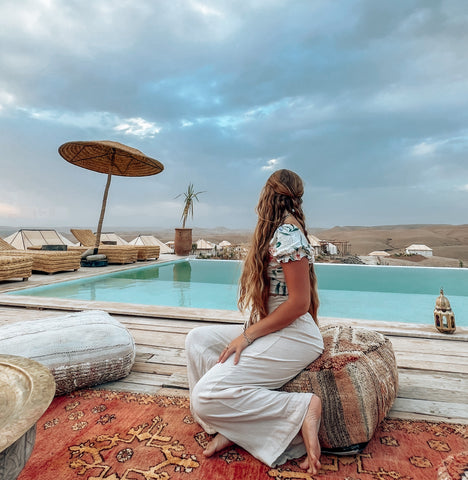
[(292, 220)]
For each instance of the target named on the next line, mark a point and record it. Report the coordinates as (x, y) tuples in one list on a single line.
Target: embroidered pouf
[(356, 378), (80, 349)]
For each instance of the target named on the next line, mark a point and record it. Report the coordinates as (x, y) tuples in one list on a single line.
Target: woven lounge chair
[(44, 260), (114, 253), (14, 266), (145, 252)]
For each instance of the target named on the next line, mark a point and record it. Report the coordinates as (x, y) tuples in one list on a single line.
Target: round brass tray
[(26, 390)]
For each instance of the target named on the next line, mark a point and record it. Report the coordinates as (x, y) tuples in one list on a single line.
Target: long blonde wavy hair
[(281, 195)]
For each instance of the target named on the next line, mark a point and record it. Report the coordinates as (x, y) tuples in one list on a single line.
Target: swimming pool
[(400, 294)]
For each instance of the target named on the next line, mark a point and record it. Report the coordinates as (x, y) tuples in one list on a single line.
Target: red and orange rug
[(101, 435)]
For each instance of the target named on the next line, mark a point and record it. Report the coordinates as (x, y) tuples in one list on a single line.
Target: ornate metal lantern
[(444, 318)]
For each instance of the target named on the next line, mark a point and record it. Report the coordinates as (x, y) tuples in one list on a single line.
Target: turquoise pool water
[(402, 294)]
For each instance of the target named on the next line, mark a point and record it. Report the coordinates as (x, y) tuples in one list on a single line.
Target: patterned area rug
[(100, 435)]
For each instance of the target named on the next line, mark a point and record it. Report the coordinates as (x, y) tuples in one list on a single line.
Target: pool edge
[(218, 316)]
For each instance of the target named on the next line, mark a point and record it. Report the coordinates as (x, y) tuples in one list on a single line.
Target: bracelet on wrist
[(249, 340)]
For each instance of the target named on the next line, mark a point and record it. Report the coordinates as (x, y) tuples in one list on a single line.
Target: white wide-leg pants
[(240, 401)]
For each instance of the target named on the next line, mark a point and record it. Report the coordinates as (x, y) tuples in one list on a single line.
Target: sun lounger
[(46, 261), (114, 253), (14, 266), (145, 252)]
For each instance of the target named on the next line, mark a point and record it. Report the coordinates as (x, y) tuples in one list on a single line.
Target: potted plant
[(183, 236)]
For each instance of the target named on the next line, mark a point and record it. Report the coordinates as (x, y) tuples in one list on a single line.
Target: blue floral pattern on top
[(288, 244)]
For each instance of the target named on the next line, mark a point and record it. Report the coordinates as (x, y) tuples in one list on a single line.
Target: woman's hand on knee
[(235, 347)]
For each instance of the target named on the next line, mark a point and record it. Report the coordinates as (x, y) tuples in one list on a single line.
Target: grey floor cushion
[(81, 349)]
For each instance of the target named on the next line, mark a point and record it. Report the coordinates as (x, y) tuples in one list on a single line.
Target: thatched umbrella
[(111, 158)]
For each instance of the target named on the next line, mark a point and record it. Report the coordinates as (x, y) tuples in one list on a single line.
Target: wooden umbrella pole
[(103, 209)]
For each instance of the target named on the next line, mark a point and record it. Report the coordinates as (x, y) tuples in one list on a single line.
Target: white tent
[(140, 240), (419, 250), (151, 240), (224, 243), (113, 237), (204, 245), (315, 244), (379, 253), (24, 238)]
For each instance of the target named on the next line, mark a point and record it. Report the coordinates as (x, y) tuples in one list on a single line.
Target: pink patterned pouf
[(357, 380)]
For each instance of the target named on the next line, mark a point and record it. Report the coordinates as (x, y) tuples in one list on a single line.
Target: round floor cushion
[(80, 349), (356, 378)]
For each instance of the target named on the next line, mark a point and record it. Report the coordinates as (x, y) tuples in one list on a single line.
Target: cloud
[(6, 100), (9, 211), (423, 148), (74, 119), (138, 127), (455, 145), (40, 212), (205, 9), (271, 164)]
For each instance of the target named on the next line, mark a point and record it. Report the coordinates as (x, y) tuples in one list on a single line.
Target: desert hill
[(449, 241), (446, 240)]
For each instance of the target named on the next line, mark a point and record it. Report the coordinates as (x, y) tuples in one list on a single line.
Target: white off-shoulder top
[(288, 244)]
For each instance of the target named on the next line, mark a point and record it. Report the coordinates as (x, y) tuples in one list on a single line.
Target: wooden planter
[(183, 241)]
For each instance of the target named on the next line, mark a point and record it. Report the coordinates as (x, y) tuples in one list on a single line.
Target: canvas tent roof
[(204, 245), (140, 240), (113, 237), (151, 240), (419, 247), (379, 253), (225, 243), (24, 238), (313, 240)]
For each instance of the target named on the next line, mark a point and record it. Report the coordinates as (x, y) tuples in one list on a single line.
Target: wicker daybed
[(14, 266), (114, 253), (145, 252), (44, 260)]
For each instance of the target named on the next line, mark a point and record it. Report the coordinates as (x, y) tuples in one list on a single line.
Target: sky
[(366, 100)]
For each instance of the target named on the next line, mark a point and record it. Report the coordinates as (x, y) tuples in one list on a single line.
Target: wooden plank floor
[(433, 368)]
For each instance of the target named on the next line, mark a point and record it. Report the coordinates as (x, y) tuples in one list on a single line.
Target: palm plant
[(189, 198)]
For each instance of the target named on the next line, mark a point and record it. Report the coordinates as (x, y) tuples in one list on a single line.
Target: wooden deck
[(433, 367)]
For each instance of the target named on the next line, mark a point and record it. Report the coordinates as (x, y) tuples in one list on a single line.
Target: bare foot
[(218, 443), (309, 431)]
